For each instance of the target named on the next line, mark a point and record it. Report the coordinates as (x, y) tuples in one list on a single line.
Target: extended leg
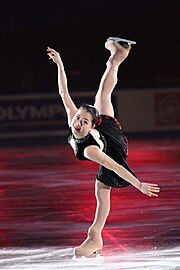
[(109, 79), (94, 241)]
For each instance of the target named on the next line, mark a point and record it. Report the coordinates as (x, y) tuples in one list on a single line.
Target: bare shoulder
[(95, 133), (96, 136)]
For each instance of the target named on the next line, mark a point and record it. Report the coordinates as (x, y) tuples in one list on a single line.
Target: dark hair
[(93, 111)]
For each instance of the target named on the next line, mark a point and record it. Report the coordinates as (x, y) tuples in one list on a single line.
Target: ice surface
[(54, 258)]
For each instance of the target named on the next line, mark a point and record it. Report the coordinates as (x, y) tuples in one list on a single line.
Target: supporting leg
[(94, 242), (109, 79)]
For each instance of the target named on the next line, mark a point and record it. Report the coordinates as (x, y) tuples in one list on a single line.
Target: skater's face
[(81, 123)]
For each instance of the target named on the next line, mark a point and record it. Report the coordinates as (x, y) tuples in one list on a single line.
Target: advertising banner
[(40, 115), (146, 110), (167, 106), (43, 115)]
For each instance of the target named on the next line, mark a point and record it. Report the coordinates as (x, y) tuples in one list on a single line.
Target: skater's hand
[(149, 189), (53, 55)]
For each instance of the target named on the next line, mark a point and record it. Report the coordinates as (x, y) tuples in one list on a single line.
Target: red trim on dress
[(100, 120)]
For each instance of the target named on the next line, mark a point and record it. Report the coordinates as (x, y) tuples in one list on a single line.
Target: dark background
[(78, 30)]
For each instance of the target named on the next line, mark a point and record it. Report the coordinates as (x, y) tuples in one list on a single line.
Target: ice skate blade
[(95, 255), (78, 258), (122, 40), (89, 258)]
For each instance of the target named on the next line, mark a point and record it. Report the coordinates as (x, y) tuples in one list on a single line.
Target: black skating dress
[(115, 146)]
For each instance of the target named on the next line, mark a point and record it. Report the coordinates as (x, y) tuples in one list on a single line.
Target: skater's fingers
[(50, 50), (50, 55), (154, 189), (154, 185), (153, 194)]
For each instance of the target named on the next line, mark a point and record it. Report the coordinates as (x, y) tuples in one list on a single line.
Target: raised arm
[(95, 154), (62, 84)]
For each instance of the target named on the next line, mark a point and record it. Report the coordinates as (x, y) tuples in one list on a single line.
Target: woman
[(96, 135)]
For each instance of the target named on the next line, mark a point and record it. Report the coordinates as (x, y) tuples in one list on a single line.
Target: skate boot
[(92, 245), (119, 49)]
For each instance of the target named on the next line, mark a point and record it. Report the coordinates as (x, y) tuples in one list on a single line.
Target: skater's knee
[(103, 97)]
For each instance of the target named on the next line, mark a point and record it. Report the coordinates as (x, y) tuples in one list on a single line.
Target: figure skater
[(97, 136)]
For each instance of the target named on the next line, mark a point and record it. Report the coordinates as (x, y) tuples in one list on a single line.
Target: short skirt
[(116, 147)]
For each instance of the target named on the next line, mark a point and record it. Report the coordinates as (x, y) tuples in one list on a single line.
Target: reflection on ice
[(54, 258)]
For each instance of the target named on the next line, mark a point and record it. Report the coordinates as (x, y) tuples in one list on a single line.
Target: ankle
[(94, 232), (118, 52)]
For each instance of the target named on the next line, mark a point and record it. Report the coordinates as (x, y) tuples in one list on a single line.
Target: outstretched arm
[(95, 154), (62, 84)]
